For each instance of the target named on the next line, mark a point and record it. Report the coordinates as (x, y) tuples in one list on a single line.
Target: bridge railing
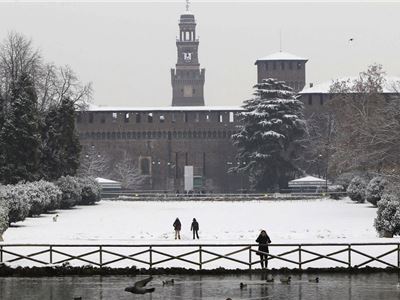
[(210, 256)]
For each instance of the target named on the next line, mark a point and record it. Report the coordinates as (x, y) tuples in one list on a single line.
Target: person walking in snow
[(195, 228), (263, 240), (177, 227)]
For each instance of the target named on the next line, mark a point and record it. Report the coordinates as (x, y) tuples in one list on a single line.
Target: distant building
[(315, 97), (163, 140), (187, 78), (285, 67)]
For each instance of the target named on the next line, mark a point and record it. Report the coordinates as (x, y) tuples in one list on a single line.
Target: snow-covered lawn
[(286, 221), (141, 222)]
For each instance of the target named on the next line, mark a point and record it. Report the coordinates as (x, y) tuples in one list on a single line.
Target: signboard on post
[(188, 175)]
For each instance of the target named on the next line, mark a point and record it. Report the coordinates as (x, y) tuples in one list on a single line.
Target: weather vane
[(187, 5)]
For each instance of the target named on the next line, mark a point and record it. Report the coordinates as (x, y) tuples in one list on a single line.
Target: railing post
[(349, 255), (200, 259), (1, 254), (51, 254), (398, 256), (249, 257), (101, 256), (151, 256), (300, 257)]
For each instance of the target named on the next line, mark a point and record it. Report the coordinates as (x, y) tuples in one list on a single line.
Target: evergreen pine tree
[(60, 142), (69, 138), (268, 139), (20, 135)]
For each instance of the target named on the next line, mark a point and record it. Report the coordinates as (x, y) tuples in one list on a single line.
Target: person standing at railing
[(177, 227), (195, 228), (263, 240)]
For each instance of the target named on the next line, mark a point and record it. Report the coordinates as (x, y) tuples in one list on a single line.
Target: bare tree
[(367, 136), (93, 163), (128, 174), (52, 83)]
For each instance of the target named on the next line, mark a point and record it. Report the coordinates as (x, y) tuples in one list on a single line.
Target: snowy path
[(220, 222)]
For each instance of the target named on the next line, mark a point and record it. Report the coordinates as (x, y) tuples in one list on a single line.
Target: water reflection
[(331, 286)]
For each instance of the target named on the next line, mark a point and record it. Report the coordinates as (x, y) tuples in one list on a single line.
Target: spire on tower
[(187, 5)]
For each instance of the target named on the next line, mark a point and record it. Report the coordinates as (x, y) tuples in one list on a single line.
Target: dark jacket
[(263, 241), (195, 226), (177, 224)]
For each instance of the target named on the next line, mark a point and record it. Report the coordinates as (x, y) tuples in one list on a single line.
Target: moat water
[(331, 286)]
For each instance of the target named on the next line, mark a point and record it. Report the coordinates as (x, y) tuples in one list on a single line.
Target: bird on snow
[(139, 287), (286, 280), (242, 285), (55, 218), (168, 282), (316, 279)]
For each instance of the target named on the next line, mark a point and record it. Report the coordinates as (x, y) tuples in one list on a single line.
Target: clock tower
[(187, 78)]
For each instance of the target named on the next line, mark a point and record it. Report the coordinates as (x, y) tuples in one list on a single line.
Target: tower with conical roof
[(187, 78)]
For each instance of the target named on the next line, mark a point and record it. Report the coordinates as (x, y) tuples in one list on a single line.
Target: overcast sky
[(127, 49)]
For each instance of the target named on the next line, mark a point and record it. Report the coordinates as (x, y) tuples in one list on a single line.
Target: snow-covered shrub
[(71, 191), (52, 193), (356, 189), (375, 189), (387, 222), (18, 202), (90, 190), (344, 179), (38, 200), (336, 191), (3, 213)]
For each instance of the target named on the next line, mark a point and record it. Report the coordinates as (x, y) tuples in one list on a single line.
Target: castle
[(188, 141)]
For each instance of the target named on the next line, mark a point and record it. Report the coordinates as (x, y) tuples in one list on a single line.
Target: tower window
[(114, 117), (103, 118), (309, 99), (185, 117), (173, 118), (321, 99), (299, 66), (91, 116), (126, 119), (162, 119), (197, 119), (150, 118), (207, 117), (137, 117), (220, 118), (231, 117)]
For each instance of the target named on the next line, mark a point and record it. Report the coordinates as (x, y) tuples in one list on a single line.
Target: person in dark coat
[(177, 227), (195, 228), (263, 240)]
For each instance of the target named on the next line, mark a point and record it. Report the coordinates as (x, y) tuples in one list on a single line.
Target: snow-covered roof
[(93, 107), (307, 179), (108, 183), (104, 180), (323, 88), (281, 56)]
